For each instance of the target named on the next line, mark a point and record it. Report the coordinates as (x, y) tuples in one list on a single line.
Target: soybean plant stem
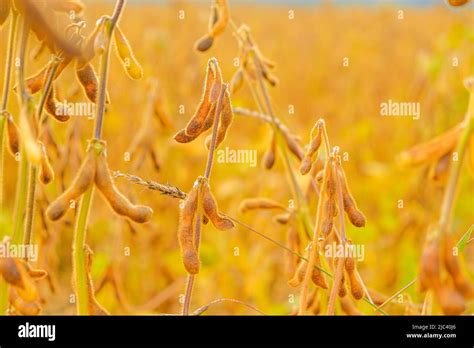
[(104, 69), (78, 253), (80, 232), (6, 93), (22, 186), (210, 160), (455, 170), (3, 107)]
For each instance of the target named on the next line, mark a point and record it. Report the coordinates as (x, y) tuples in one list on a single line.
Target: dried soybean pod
[(126, 55), (15, 272), (313, 148), (186, 231), (222, 19), (10, 271), (342, 286), (451, 301), (182, 137), (282, 219), (330, 205), (293, 146), (452, 265), (299, 274), (22, 306), (80, 184), (317, 275), (225, 119), (216, 85), (259, 203), (46, 172), (432, 149), (270, 155), (118, 202), (204, 43), (357, 290), (211, 210), (88, 80), (195, 124), (430, 267), (35, 82), (356, 217), (12, 133), (210, 118), (52, 109)]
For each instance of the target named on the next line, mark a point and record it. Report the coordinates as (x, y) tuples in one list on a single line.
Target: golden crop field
[(316, 159)]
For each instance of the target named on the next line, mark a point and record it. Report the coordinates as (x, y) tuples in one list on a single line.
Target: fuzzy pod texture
[(79, 185), (36, 82), (186, 232), (88, 80), (353, 212), (330, 205), (51, 107), (196, 123), (317, 276), (117, 201), (225, 119), (126, 55), (314, 145), (211, 209)]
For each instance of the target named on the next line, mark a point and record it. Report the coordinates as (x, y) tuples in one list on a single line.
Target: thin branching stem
[(80, 231), (207, 174)]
